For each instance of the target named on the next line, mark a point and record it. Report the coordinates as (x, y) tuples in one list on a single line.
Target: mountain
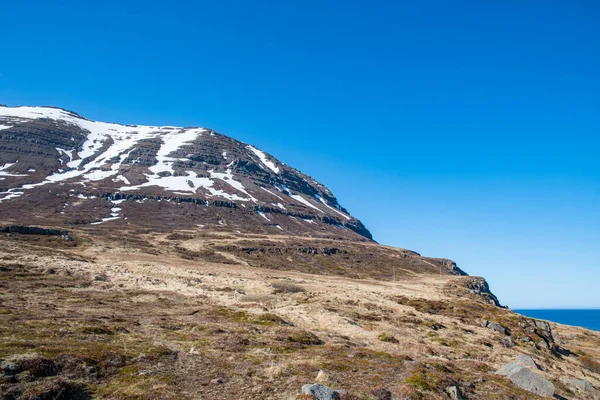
[(164, 263), (61, 168)]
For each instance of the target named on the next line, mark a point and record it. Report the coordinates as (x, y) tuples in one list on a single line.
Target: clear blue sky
[(465, 129)]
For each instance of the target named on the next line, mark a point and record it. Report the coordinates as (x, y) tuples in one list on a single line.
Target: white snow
[(278, 205), (310, 221), (105, 220), (322, 200), (305, 202), (31, 170), (98, 174), (172, 141), (263, 158), (68, 153), (227, 177), (124, 139), (114, 213), (3, 173), (5, 127), (122, 179), (263, 215), (268, 191), (7, 166), (10, 194), (278, 227)]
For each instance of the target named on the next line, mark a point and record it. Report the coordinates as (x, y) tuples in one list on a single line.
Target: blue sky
[(467, 129)]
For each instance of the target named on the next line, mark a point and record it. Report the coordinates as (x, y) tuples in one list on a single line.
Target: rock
[(532, 382), (520, 372), (320, 392), (522, 360), (583, 386), (217, 381), (480, 287), (454, 393), (543, 325), (381, 394), (507, 342), (494, 326), (542, 344), (9, 368), (498, 328), (322, 377)]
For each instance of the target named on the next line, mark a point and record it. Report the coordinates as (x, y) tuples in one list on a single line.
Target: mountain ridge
[(42, 146)]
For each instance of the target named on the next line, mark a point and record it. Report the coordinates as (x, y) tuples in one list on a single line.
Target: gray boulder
[(320, 392), (583, 386), (522, 360), (532, 382), (495, 327), (521, 372)]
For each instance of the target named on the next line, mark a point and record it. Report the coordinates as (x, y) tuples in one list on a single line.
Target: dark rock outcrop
[(479, 286)]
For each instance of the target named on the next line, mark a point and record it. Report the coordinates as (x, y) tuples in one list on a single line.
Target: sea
[(585, 318)]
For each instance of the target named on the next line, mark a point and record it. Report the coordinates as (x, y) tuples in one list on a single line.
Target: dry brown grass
[(590, 364), (163, 327), (286, 287)]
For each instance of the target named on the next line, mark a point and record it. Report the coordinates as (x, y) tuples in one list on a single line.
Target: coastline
[(585, 318)]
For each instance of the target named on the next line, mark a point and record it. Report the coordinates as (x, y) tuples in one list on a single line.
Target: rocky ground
[(201, 315)]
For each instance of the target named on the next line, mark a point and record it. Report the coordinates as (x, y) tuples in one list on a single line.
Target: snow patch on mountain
[(263, 158)]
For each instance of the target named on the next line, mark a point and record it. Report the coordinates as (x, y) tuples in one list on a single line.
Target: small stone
[(507, 342), (454, 393), (320, 392), (498, 328), (217, 381), (9, 368)]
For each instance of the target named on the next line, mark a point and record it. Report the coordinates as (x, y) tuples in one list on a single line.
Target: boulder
[(320, 392), (522, 360), (521, 373), (583, 386), (532, 382), (495, 327)]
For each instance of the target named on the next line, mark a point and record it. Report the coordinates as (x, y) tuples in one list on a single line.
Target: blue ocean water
[(586, 318)]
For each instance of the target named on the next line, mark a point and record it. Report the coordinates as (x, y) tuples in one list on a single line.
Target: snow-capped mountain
[(59, 167)]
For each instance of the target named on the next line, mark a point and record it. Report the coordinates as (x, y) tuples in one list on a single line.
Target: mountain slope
[(178, 263), (57, 166)]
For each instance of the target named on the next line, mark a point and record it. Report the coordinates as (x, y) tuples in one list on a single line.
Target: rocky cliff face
[(61, 168)]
